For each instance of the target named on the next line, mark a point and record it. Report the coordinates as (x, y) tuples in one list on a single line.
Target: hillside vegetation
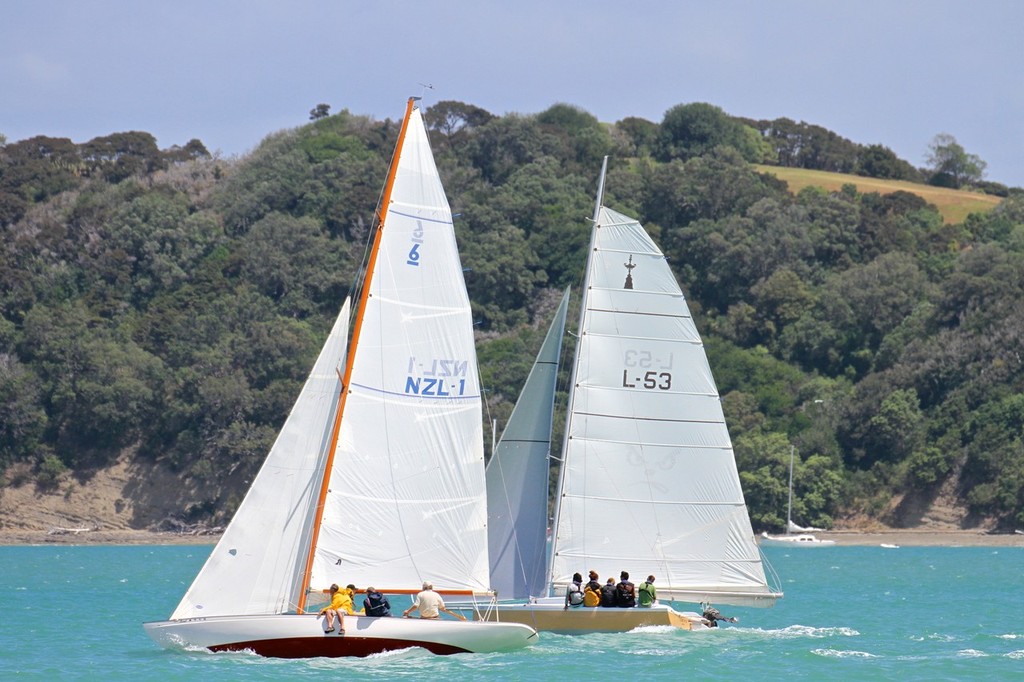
[(953, 204), (159, 309)]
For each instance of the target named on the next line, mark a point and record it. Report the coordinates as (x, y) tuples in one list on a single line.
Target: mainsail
[(517, 477), (406, 497), (649, 481)]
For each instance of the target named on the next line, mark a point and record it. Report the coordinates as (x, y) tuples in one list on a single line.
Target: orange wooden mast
[(382, 211)]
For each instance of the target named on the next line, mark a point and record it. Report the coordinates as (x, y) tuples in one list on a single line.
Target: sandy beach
[(924, 538)]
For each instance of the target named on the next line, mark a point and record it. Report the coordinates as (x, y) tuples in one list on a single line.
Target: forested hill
[(164, 306)]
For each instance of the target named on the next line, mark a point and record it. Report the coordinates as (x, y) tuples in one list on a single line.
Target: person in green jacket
[(646, 594)]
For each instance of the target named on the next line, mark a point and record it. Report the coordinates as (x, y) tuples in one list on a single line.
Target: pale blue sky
[(891, 72)]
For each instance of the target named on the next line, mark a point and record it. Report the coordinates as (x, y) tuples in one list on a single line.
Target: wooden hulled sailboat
[(648, 480), (377, 476)]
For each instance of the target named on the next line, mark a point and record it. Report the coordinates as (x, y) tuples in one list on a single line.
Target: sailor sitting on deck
[(574, 593), (376, 604), (341, 603), (430, 604), (625, 593), (608, 594), (592, 591)]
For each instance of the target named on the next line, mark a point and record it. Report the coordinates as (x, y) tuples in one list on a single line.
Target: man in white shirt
[(429, 604)]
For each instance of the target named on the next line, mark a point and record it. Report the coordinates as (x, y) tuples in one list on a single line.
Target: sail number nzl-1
[(437, 377), (634, 376)]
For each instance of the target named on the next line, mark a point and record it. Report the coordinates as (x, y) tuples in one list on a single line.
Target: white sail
[(649, 481), (517, 477), (406, 499), (256, 567)]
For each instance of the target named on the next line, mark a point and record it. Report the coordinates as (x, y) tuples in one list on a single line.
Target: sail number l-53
[(649, 380), (660, 378)]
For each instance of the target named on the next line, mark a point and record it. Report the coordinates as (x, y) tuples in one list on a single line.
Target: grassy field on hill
[(953, 204)]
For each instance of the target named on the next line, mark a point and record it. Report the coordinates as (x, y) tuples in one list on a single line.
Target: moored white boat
[(799, 539), (795, 536)]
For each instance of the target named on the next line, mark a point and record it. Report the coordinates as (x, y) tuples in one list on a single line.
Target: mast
[(575, 368), (353, 346), (789, 507)]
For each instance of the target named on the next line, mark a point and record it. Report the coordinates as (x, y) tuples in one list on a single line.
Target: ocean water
[(850, 613)]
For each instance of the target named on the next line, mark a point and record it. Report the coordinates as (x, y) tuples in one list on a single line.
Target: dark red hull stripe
[(331, 647)]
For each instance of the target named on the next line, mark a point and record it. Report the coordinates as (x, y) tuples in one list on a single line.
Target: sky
[(231, 72)]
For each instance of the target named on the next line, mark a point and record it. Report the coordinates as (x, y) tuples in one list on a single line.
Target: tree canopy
[(167, 304)]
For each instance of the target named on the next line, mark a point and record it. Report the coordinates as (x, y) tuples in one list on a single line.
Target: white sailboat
[(796, 536), (377, 477), (648, 481)]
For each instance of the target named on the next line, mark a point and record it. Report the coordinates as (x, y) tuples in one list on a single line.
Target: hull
[(302, 636), (802, 540), (551, 616)]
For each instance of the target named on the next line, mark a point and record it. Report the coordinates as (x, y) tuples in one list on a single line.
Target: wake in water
[(798, 632)]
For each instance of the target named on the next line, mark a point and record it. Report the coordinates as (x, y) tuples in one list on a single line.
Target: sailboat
[(377, 476), (648, 480), (796, 536)]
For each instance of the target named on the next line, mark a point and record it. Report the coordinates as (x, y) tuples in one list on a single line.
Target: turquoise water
[(850, 613)]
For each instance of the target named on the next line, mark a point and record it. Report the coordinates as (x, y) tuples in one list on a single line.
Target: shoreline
[(874, 537), (904, 537), (95, 536)]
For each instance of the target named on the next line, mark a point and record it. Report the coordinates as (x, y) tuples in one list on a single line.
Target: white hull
[(302, 636), (550, 615), (801, 540)]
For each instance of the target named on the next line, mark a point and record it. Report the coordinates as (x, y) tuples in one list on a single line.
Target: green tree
[(319, 111), (950, 163), (450, 117), (22, 417), (878, 161), (689, 130)]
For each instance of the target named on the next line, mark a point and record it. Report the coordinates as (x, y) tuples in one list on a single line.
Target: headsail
[(406, 498), (256, 566), (649, 481), (517, 477)]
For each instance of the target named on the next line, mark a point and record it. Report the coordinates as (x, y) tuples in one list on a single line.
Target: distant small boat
[(889, 546), (795, 535)]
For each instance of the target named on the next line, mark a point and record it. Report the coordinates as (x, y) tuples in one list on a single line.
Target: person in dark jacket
[(608, 594), (625, 592), (376, 604)]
